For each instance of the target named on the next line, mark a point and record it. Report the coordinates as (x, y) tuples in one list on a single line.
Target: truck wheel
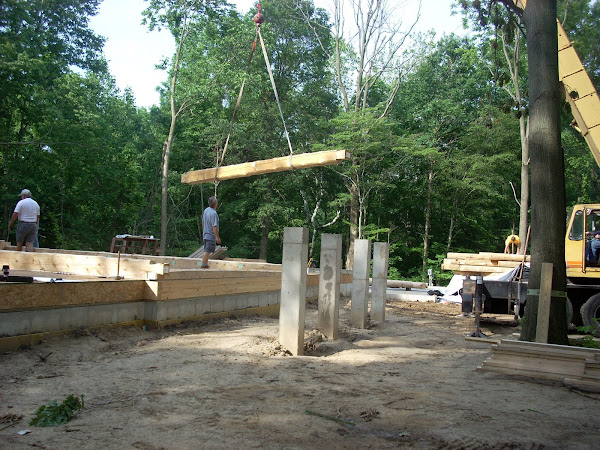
[(590, 313), (569, 312)]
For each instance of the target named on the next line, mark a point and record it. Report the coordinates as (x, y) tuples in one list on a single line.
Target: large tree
[(547, 168), (40, 42)]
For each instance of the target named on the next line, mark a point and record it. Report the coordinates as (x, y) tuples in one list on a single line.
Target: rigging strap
[(287, 135)]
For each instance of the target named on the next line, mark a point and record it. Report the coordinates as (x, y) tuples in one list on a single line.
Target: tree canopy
[(435, 138)]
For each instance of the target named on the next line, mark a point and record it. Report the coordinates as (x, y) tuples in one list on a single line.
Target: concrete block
[(381, 251), (241, 301), (293, 289), (15, 323), (187, 308), (127, 312), (150, 311), (217, 304), (203, 306), (173, 308), (360, 283), (229, 303), (254, 300), (162, 312), (101, 315), (329, 285), (76, 317), (44, 320)]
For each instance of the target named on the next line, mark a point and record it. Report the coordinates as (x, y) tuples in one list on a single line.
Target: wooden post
[(543, 315)]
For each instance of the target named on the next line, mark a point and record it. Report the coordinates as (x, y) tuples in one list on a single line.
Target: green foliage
[(587, 341), (54, 414), (93, 159)]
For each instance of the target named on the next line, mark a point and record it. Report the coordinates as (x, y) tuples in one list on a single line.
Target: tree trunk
[(547, 168), (524, 211), (264, 238), (167, 153), (353, 233), (452, 225), (427, 219)]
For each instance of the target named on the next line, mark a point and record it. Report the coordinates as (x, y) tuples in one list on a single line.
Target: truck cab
[(583, 264)]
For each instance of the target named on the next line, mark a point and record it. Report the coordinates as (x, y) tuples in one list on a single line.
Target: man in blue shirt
[(210, 230)]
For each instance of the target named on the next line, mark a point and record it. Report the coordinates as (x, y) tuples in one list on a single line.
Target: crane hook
[(259, 17)]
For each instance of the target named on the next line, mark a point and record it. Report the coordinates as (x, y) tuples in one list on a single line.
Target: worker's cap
[(597, 234), (26, 192)]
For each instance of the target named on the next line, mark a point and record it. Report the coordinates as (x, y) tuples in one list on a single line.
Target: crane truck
[(583, 270)]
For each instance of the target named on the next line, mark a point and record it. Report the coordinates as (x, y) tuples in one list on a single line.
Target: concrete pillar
[(360, 283), (293, 289), (381, 255), (329, 284)]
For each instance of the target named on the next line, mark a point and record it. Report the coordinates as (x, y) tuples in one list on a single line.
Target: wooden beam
[(299, 161), (23, 296), (83, 264)]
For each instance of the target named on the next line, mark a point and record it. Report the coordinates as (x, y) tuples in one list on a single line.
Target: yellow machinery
[(583, 270)]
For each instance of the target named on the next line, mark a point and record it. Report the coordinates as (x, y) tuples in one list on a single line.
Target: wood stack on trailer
[(482, 263)]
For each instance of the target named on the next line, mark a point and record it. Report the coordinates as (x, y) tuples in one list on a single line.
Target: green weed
[(53, 414)]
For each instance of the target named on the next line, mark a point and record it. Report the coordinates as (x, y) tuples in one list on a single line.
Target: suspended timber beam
[(299, 161)]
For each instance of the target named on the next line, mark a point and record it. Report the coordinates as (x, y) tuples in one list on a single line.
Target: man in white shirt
[(27, 212)]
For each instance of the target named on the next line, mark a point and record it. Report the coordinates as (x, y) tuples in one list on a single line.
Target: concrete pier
[(381, 255), (360, 283), (293, 289), (329, 284)]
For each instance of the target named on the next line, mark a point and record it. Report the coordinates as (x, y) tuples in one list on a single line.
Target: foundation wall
[(63, 307)]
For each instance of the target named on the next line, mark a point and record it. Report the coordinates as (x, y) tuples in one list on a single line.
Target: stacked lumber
[(482, 263), (572, 365)]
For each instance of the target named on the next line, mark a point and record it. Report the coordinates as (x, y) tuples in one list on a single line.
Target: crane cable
[(258, 19)]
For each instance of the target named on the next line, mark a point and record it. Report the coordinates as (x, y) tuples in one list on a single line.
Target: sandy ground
[(409, 382)]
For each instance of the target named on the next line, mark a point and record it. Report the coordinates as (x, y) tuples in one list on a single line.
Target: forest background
[(433, 126)]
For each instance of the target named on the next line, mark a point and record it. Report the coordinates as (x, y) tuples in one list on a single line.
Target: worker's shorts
[(26, 232), (210, 246)]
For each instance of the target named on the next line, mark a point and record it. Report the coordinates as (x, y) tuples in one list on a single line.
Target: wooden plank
[(559, 369), (46, 295), (299, 161), (172, 290), (521, 372), (175, 262), (504, 256), (83, 264), (482, 340), (203, 274), (549, 348), (543, 313), (474, 269)]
